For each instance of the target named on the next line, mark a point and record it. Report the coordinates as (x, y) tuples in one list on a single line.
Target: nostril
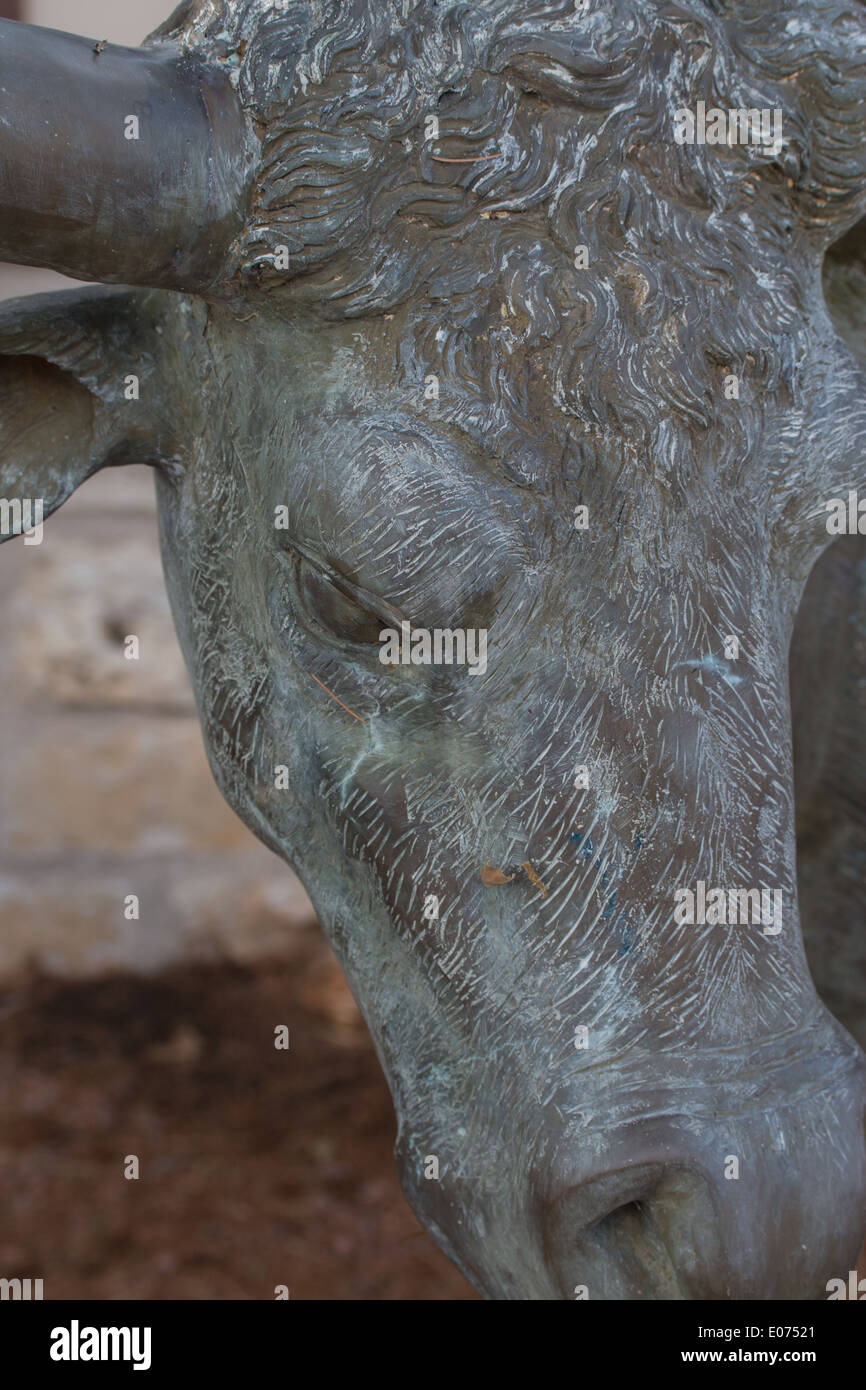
[(670, 1224), (611, 1196), (615, 1236), (619, 1217)]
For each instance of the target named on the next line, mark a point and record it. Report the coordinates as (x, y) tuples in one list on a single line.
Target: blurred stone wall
[(105, 791), (119, 21)]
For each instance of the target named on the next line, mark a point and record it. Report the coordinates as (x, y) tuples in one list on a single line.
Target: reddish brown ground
[(258, 1167)]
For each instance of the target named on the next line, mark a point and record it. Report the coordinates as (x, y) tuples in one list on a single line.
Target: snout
[(769, 1203)]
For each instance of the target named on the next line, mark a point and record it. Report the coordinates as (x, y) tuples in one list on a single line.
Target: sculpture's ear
[(83, 386)]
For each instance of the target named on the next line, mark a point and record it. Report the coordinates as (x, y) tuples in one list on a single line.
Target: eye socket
[(336, 610), (334, 602)]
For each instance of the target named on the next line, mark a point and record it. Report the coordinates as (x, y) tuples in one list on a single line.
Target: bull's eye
[(328, 599), (342, 615)]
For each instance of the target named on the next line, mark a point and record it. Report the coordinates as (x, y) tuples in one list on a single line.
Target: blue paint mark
[(577, 837), (611, 904), (638, 842), (716, 666), (626, 941)]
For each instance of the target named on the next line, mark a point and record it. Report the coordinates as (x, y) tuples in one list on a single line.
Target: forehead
[(400, 474), (359, 458)]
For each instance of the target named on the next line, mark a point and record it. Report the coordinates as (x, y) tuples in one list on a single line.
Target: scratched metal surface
[(560, 386)]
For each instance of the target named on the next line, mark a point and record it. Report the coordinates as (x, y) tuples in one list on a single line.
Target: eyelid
[(392, 617)]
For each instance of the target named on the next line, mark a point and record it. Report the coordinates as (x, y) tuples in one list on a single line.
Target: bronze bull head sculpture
[(451, 324)]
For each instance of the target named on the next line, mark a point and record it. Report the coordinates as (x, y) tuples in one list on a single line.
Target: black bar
[(256, 1338)]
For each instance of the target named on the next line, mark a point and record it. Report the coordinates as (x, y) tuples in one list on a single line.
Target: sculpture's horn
[(127, 165)]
